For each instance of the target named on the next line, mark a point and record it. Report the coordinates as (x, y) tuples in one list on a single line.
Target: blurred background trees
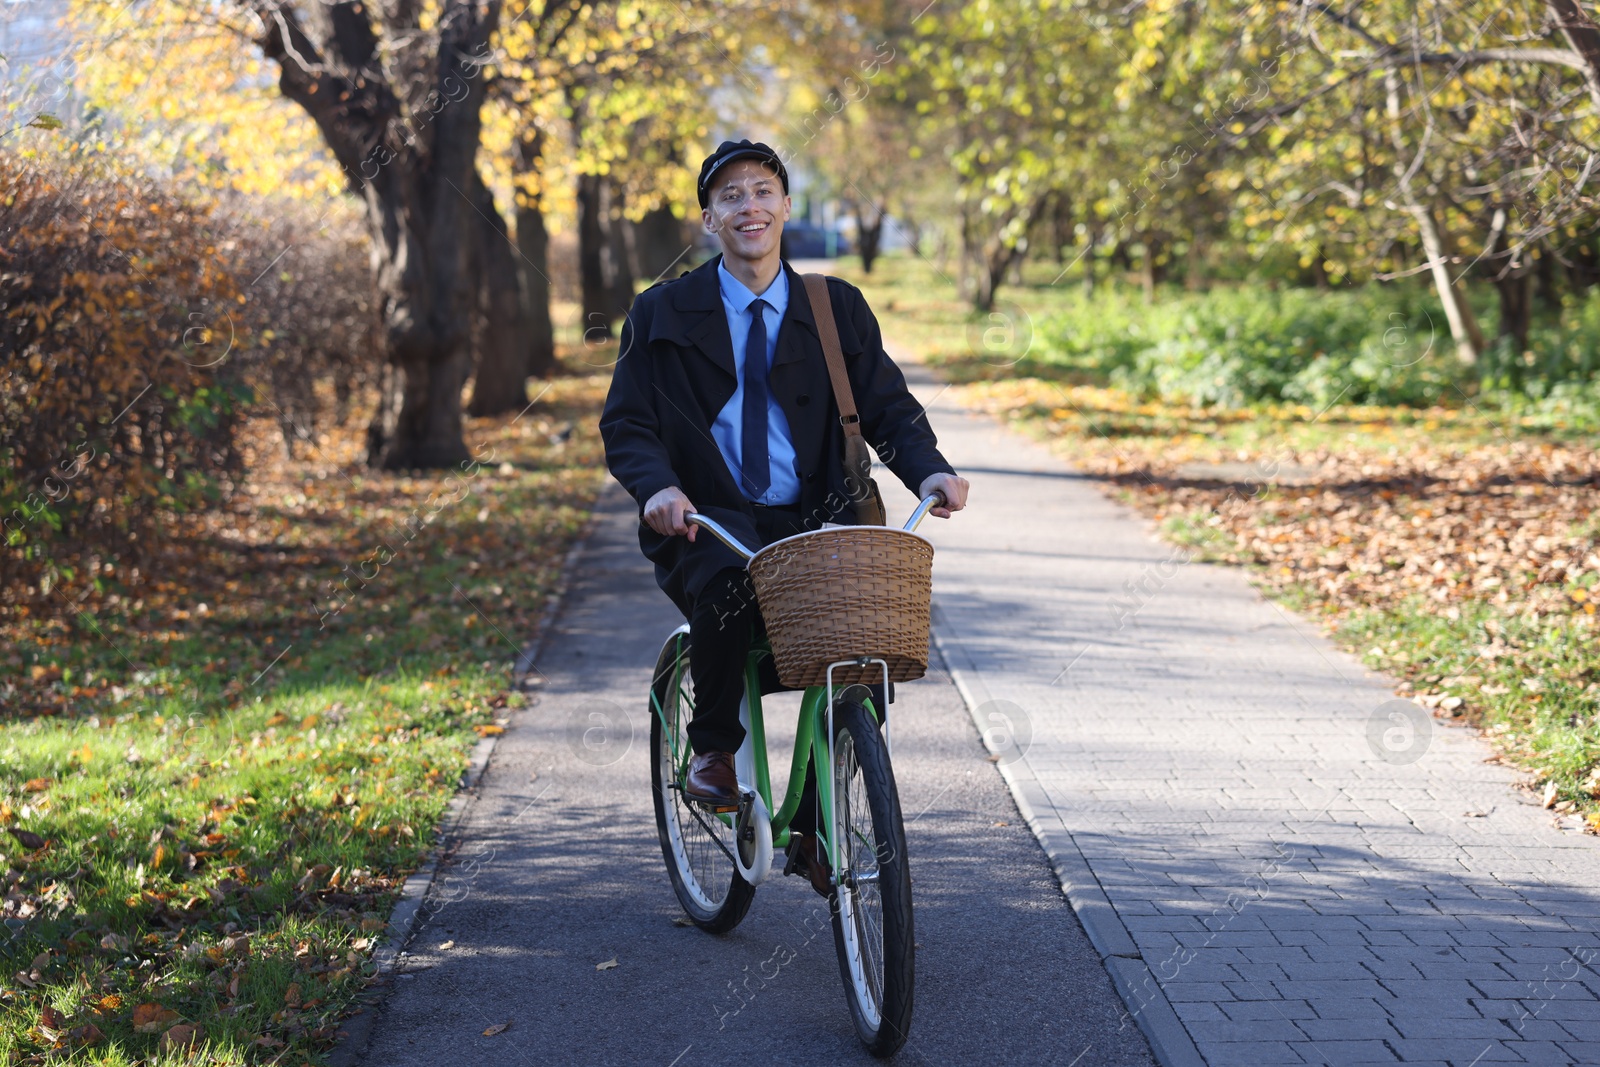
[(410, 209)]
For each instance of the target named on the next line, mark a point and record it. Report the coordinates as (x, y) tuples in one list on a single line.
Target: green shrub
[(1382, 345)]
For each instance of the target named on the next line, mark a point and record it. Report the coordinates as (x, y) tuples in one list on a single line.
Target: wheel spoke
[(702, 847), (861, 903)]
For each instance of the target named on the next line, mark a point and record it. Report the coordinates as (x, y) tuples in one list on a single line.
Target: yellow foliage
[(193, 96)]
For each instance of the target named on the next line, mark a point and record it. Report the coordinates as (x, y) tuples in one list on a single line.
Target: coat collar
[(698, 318)]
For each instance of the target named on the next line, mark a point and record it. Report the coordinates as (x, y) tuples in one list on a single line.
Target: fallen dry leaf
[(51, 1023), (27, 838), (607, 965), (497, 1028), (152, 1018), (1549, 798), (291, 996), (182, 1036), (447, 944), (87, 1034)]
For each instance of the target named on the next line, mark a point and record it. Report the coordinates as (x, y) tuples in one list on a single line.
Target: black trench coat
[(676, 372)]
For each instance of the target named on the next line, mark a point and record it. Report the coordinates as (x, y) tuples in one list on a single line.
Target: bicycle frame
[(812, 747), (809, 748)]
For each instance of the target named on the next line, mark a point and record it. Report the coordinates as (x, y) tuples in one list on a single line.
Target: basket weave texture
[(837, 594)]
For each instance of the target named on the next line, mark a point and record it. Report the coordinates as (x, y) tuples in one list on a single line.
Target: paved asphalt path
[(559, 870)]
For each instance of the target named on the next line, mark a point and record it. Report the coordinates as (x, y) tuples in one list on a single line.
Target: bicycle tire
[(873, 930), (694, 843)]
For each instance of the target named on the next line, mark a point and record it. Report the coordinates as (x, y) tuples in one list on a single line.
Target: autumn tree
[(1364, 132), (1021, 126)]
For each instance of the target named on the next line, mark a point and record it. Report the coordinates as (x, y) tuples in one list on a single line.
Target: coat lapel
[(701, 320)]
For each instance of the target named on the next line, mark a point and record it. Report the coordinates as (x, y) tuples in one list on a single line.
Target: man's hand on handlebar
[(952, 487), (664, 513)]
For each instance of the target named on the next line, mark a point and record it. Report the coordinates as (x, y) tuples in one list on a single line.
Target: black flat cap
[(732, 151)]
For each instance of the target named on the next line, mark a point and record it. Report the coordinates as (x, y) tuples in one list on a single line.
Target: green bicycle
[(716, 859)]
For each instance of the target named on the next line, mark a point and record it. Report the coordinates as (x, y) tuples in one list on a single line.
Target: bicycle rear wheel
[(697, 845), (872, 926)]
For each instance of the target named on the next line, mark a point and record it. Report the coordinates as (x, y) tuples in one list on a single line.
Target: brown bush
[(137, 328)]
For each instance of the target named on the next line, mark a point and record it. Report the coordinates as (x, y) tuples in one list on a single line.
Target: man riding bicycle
[(721, 404)]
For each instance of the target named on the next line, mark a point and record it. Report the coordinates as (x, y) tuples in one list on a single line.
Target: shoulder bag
[(862, 490)]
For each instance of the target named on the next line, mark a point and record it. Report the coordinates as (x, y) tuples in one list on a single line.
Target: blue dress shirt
[(725, 430)]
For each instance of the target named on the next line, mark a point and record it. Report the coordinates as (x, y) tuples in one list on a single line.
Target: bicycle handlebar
[(721, 535), (932, 500)]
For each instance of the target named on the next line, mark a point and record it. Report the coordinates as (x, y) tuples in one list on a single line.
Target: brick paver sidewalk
[(1275, 868)]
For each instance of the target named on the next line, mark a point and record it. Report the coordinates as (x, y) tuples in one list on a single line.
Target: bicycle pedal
[(711, 805)]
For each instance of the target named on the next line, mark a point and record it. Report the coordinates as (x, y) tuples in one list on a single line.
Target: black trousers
[(725, 622)]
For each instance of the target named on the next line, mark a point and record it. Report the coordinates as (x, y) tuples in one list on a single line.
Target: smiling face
[(746, 210)]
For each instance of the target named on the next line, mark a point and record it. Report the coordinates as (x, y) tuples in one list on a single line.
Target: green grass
[(1205, 543), (170, 829), (231, 784)]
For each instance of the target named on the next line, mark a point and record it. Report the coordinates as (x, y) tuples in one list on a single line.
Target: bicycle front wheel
[(872, 928), (697, 844)]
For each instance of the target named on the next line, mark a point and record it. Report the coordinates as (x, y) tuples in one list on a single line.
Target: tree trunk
[(660, 243), (620, 261), (1119, 256), (591, 258), (605, 271), (869, 235), (1516, 310), (1549, 290), (1194, 265), (502, 328), (533, 244), (1152, 271), (986, 257), (1061, 223), (910, 229), (411, 428), (1319, 270), (1093, 237), (408, 151), (1001, 258), (1463, 326)]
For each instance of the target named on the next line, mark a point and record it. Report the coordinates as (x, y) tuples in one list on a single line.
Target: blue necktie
[(757, 468)]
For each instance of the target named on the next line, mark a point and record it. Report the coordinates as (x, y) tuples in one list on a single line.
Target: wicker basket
[(836, 594)]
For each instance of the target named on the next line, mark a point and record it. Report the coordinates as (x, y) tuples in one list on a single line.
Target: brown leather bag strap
[(832, 353)]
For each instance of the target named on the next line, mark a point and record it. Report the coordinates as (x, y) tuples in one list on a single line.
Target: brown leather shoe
[(712, 780), (809, 858)]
